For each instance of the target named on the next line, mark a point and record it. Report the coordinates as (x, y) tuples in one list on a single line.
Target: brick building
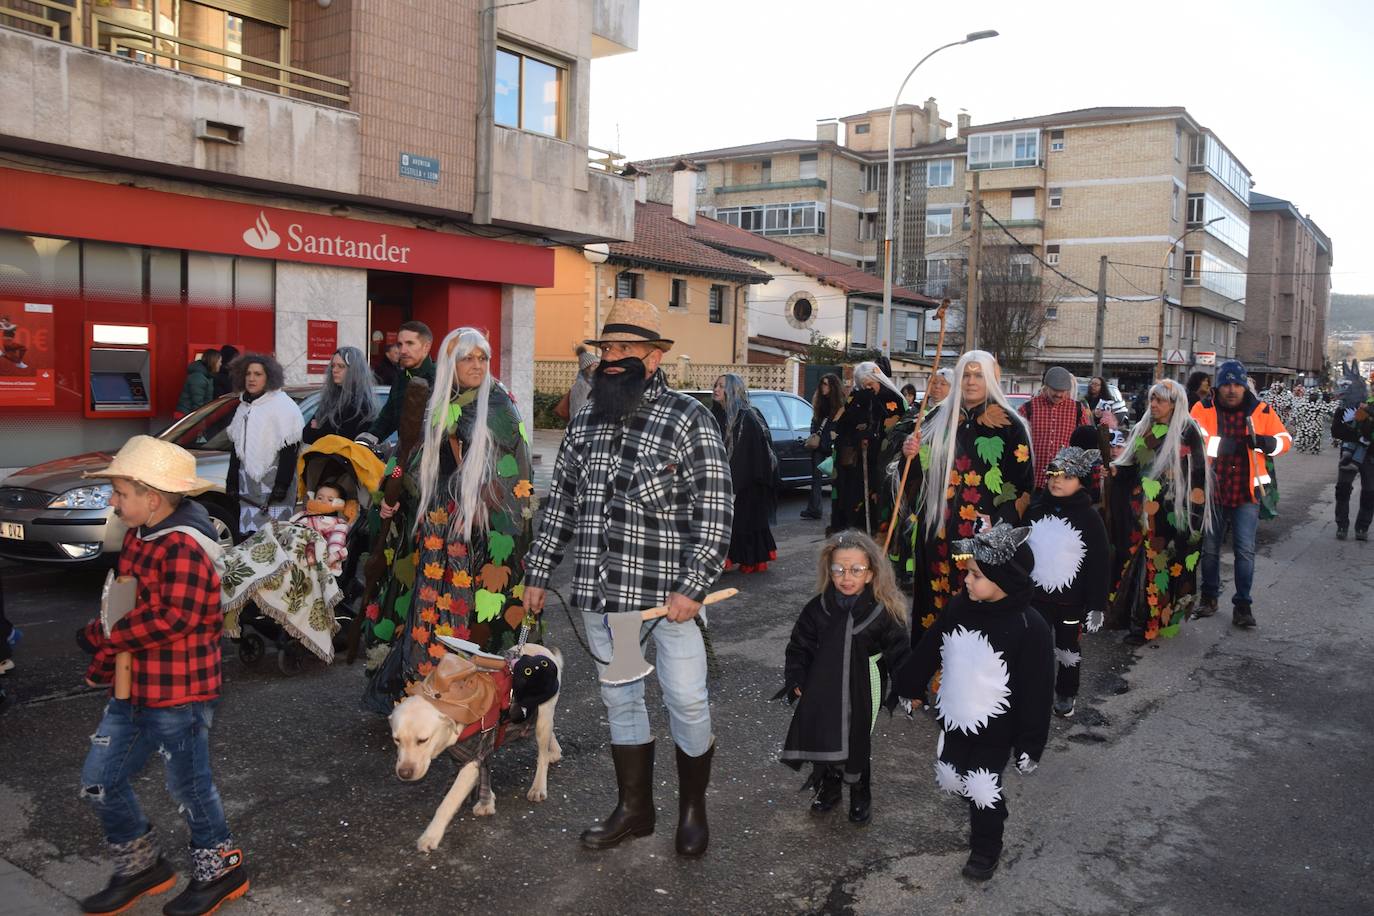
[(1288, 292), (286, 177)]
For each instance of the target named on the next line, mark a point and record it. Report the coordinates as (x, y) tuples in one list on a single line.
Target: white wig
[(479, 462), (870, 370), (1168, 459), (943, 426)]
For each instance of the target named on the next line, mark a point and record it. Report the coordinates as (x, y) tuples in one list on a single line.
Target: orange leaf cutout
[(429, 615), (420, 635), (462, 579), (968, 513), (493, 577), (437, 651), (515, 615), (434, 571), (444, 603), (523, 489), (994, 417), (433, 542), (1022, 454)]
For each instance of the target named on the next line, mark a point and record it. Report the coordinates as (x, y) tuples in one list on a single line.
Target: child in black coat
[(858, 618), (1069, 541), (996, 657)]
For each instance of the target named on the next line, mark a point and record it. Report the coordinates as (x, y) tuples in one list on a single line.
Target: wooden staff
[(920, 418)]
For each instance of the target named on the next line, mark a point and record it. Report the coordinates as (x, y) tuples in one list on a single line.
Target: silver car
[(50, 514)]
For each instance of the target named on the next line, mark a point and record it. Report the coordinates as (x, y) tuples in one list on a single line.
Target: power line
[(1048, 266)]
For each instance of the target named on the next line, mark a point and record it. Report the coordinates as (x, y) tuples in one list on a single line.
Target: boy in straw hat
[(173, 637)]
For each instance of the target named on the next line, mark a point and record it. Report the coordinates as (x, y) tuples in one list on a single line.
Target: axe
[(628, 665), (117, 599)]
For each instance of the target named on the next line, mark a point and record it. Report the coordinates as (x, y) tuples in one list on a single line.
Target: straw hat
[(632, 321), (157, 464)]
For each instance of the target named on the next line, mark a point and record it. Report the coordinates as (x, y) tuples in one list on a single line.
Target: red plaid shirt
[(1232, 471), (174, 630), (1051, 426)]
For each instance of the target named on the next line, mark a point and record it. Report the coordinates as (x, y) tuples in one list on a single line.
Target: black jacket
[(827, 657), (350, 427), (389, 419), (1070, 545), (985, 648)]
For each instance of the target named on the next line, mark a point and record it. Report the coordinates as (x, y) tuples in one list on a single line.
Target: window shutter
[(277, 12)]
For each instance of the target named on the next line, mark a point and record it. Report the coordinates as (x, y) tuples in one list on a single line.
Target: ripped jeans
[(127, 736)]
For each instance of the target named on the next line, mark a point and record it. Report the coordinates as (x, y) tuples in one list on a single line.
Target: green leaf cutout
[(924, 455), (1190, 561), (1162, 581), (507, 466), (989, 448), (489, 605), (1008, 494), (384, 629), (1159, 430), (1151, 487), (524, 433), (993, 479), (499, 546)]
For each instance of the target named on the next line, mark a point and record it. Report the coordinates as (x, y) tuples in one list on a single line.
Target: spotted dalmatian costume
[(997, 674)]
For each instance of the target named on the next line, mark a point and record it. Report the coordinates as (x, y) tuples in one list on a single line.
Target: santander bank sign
[(262, 237)]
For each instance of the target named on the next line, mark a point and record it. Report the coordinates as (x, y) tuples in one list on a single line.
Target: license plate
[(12, 530)]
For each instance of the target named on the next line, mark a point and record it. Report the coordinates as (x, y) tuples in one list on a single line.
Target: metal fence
[(556, 376)]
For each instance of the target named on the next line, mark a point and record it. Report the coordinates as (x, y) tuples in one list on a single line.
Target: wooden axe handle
[(712, 598)]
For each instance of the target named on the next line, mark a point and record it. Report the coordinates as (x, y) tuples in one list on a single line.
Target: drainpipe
[(486, 131), (734, 338)]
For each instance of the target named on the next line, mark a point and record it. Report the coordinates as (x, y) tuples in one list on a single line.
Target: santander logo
[(260, 234)]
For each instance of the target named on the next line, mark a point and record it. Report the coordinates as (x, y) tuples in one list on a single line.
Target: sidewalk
[(544, 451), (21, 894)]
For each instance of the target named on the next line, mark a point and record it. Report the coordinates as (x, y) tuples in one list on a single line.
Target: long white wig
[(865, 371), (466, 488), (1168, 458), (736, 399), (941, 431)]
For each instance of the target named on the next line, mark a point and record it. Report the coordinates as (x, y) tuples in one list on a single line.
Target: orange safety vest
[(1265, 422)]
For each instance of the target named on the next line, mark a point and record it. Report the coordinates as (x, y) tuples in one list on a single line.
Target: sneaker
[(1063, 707), (1206, 607), (1341, 532), (979, 867), (1241, 617), (1362, 535)]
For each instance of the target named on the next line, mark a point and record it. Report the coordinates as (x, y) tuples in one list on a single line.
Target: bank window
[(529, 92), (807, 165), (628, 285), (112, 271), (717, 314), (678, 299), (940, 174)]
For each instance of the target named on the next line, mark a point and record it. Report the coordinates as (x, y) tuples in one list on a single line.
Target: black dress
[(753, 471), (832, 656), (859, 435), (351, 425)]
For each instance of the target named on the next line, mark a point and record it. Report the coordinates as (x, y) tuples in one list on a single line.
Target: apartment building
[(1288, 292), (286, 177)]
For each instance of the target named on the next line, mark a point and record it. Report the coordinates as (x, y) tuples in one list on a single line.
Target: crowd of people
[(970, 545)]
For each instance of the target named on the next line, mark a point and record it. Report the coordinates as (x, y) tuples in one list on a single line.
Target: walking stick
[(868, 513), (906, 468)]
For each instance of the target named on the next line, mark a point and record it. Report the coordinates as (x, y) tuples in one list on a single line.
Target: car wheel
[(223, 521)]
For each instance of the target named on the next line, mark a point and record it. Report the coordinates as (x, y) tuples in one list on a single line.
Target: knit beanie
[(1231, 372)]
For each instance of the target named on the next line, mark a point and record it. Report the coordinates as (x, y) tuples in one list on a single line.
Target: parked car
[(50, 514), (789, 423)]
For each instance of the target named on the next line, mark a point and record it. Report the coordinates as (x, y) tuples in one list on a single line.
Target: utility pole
[(975, 256), (1101, 329)]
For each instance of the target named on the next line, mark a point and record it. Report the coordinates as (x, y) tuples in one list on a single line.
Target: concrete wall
[(563, 314), (768, 309), (145, 117), (313, 291)]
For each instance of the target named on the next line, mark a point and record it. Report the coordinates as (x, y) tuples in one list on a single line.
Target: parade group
[(969, 547)]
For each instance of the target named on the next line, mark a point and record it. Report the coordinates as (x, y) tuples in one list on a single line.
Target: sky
[(1279, 82)]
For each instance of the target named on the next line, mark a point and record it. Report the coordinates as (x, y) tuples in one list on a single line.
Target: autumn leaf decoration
[(994, 417), (989, 448)]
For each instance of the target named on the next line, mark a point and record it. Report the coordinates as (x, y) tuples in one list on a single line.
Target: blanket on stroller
[(282, 570)]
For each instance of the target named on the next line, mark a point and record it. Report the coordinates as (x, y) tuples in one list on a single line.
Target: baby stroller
[(355, 472)]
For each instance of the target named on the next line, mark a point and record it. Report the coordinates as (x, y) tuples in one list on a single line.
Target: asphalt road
[(1219, 772)]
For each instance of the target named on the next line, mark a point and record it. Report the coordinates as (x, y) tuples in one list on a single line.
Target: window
[(939, 222), (1052, 312), (1056, 198), (1173, 206), (871, 177), (1285, 346), (717, 314), (803, 308), (1021, 266), (1052, 254), (1211, 155), (1197, 209), (803, 218), (868, 227), (1192, 264), (767, 405), (1007, 150), (678, 298), (940, 174), (860, 128), (1022, 205), (529, 92), (939, 276), (1178, 143), (1221, 278), (1056, 141), (806, 165), (913, 333), (701, 182), (858, 326), (798, 413), (1171, 267), (766, 171), (628, 285)]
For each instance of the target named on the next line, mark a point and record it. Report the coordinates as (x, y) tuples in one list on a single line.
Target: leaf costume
[(1158, 569), (859, 433)]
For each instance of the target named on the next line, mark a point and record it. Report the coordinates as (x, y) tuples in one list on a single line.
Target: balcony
[(150, 110), (615, 27), (1021, 177), (569, 192), (1209, 302), (771, 186)]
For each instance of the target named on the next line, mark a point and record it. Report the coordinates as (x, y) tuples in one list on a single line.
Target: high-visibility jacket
[(1265, 421)]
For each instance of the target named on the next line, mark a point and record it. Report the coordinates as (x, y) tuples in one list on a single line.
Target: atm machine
[(119, 367)]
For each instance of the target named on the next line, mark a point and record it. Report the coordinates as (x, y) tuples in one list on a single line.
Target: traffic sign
[(1175, 358)]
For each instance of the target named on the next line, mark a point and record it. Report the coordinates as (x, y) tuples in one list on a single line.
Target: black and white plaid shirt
[(648, 504)]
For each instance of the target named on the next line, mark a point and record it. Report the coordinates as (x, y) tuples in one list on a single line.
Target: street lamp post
[(1163, 290), (884, 319)]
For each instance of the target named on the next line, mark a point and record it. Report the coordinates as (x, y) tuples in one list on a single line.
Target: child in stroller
[(336, 478)]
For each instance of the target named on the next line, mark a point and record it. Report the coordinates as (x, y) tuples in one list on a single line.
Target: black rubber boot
[(693, 775), (634, 812), (123, 890), (219, 877), (861, 800), (828, 792)]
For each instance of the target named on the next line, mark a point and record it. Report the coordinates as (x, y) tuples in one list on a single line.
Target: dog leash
[(712, 664)]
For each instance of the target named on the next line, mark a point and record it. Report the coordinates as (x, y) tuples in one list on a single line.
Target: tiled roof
[(843, 276), (662, 242), (1078, 115), (748, 149)]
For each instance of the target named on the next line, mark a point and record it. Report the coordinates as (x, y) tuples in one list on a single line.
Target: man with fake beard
[(642, 489)]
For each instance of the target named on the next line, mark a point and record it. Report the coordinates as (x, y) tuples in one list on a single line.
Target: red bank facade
[(108, 291)]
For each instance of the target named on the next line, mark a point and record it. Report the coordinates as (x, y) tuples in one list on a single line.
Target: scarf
[(261, 428)]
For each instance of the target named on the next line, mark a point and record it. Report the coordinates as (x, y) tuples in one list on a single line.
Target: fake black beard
[(615, 397)]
